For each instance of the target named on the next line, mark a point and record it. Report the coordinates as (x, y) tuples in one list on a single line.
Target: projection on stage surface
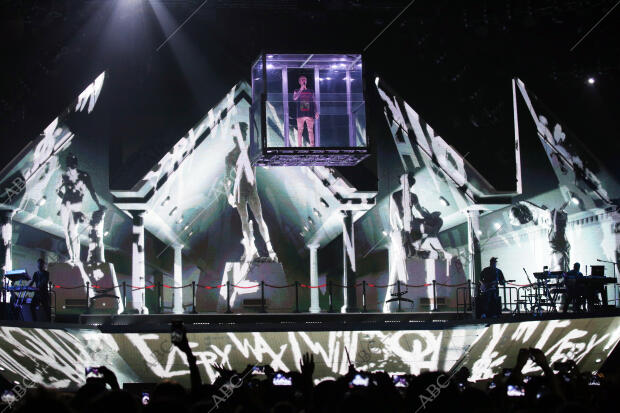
[(236, 222), (308, 109), (55, 185), (583, 180), (33, 354), (575, 219), (450, 180), (242, 192), (437, 187), (48, 183), (554, 221), (50, 188), (221, 215)]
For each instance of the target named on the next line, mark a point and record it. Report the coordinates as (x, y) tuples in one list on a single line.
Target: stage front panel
[(58, 357)]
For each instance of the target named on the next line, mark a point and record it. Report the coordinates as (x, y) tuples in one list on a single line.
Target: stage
[(239, 217)]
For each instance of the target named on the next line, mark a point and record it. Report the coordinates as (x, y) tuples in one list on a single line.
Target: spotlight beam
[(594, 27), (392, 22), (181, 25)]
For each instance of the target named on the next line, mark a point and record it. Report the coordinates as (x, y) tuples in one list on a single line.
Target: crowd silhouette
[(560, 388)]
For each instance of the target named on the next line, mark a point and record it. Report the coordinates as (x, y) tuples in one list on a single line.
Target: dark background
[(451, 60)]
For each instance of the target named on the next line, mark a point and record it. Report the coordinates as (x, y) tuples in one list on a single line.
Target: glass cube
[(308, 109)]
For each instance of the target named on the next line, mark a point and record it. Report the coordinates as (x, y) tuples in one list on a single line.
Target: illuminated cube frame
[(264, 155)]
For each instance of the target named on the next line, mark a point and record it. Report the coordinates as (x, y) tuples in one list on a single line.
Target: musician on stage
[(40, 279), (573, 288), (490, 278)]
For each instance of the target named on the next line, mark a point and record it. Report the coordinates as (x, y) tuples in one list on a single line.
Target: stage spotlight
[(179, 220), (42, 201), (384, 233), (591, 80), (105, 234), (575, 200), (186, 227), (497, 225)]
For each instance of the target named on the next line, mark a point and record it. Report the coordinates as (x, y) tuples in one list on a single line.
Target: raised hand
[(522, 358), (224, 372), (307, 365), (539, 358), (181, 342), (352, 369), (109, 377)]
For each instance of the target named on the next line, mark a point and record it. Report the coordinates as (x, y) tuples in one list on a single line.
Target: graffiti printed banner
[(150, 357)]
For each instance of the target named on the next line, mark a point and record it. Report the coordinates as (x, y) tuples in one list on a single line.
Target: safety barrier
[(465, 298), (330, 285)]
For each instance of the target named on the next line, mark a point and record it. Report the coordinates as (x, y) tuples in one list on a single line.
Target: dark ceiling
[(451, 60)]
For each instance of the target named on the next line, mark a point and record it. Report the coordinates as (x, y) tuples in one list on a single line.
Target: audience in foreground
[(560, 388)]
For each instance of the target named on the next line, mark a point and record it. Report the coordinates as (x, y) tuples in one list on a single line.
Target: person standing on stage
[(490, 278), (307, 110), (40, 279), (573, 293)]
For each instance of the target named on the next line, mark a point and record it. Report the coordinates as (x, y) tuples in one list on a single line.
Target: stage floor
[(218, 322)]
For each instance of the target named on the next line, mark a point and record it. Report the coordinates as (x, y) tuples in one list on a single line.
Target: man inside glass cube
[(307, 110)]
